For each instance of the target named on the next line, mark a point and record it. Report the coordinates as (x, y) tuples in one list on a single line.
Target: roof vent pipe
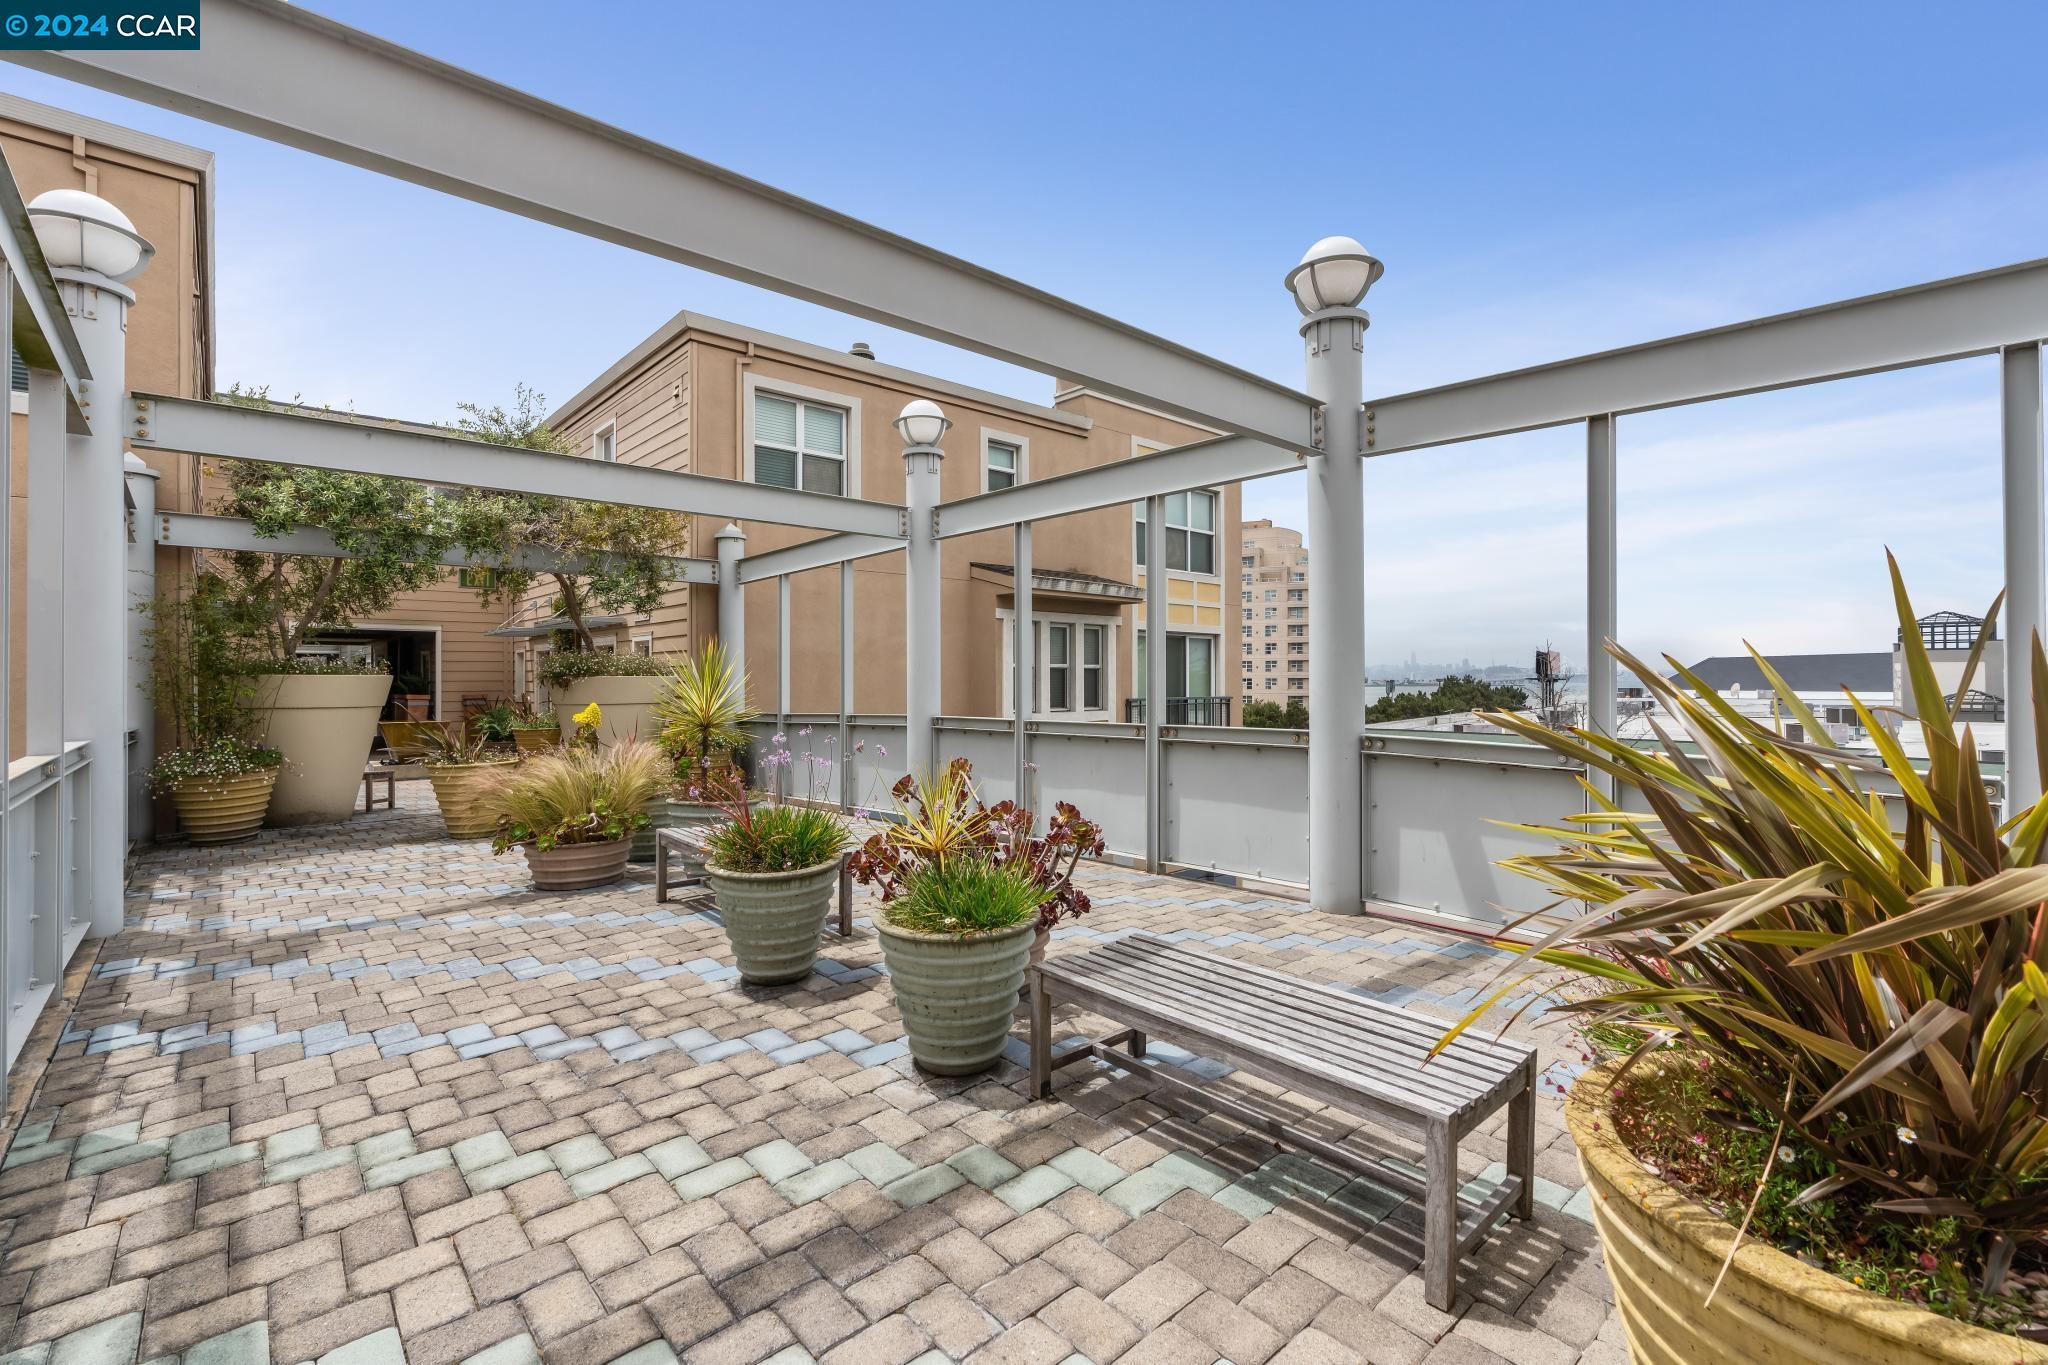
[(862, 349)]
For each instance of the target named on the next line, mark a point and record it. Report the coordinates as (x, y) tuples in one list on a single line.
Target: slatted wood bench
[(1358, 1055), (692, 841)]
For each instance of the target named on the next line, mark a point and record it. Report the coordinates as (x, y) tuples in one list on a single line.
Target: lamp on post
[(922, 424), (93, 249), (1328, 286)]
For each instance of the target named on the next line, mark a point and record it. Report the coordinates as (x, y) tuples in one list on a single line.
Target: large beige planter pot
[(1664, 1251), (323, 723), (572, 867), (460, 789), (626, 700), (773, 919), (957, 992), (224, 811), (536, 741)]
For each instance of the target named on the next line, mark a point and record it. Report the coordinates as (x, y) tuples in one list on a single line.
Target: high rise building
[(1273, 588)]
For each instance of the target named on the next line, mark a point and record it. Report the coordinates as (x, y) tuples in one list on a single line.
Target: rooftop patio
[(341, 1088)]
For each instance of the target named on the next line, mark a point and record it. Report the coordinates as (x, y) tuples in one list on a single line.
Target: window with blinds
[(1001, 462), (799, 444)]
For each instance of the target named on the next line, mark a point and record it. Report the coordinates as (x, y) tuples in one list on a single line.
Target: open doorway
[(411, 653)]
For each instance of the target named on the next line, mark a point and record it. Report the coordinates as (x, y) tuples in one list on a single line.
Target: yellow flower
[(590, 715)]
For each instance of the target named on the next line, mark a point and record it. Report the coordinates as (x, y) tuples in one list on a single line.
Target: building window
[(1059, 694), (643, 645), (1190, 665), (483, 580), (1091, 668), (605, 444), (799, 444), (1190, 532), (1002, 464)]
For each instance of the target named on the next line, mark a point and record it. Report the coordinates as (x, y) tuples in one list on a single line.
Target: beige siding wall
[(167, 330)]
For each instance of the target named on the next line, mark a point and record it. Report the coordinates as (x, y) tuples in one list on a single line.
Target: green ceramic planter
[(668, 812), (958, 994), (773, 919)]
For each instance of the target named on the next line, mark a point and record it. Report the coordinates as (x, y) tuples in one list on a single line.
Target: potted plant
[(773, 871), (218, 780), (573, 812), (463, 767), (1819, 973), (957, 939), (495, 724), (623, 685), (943, 816), (702, 710), (323, 712), (534, 729)]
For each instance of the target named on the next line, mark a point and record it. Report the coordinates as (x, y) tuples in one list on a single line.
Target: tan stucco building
[(717, 398), (1273, 578)]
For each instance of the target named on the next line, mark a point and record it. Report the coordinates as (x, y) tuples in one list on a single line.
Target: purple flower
[(882, 749), (859, 745), (805, 731), (781, 738)]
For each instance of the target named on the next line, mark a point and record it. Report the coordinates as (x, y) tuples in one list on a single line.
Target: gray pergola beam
[(228, 432), (815, 554), (360, 99), (193, 531), (1968, 315)]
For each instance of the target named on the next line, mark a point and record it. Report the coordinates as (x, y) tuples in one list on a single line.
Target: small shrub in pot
[(957, 940), (573, 812), (461, 764), (773, 871)]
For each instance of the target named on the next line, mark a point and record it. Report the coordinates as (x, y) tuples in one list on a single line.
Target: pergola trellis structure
[(276, 71)]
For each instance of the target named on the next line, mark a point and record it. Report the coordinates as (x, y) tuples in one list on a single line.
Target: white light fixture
[(80, 231), (923, 422), (1334, 273)]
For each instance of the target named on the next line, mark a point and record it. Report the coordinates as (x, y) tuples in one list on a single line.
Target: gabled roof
[(1862, 673)]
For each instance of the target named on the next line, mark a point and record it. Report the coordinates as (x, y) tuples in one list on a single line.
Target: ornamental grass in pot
[(462, 765), (773, 871), (573, 812), (1821, 1133), (940, 816), (701, 709), (970, 896)]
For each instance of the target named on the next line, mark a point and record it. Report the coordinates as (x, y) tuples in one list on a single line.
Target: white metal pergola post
[(782, 678), (1155, 683), (141, 591), (732, 601), (2026, 566), (922, 425), (1023, 664), (1328, 285), (95, 563), (848, 785), (1602, 570)]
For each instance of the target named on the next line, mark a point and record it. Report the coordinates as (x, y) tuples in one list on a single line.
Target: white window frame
[(1215, 534), (639, 640), (1021, 444), (774, 387), (605, 437), (1041, 655)]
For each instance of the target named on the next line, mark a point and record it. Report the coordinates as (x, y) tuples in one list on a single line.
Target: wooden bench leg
[(1522, 1142), (1041, 1038), (1135, 1044), (1440, 1219), (660, 869)]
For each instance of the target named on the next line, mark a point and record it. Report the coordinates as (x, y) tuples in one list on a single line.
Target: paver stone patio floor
[(357, 1095)]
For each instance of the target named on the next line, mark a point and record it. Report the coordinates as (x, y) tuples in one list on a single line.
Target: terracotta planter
[(572, 867), (773, 919), (627, 701), (324, 724), (958, 993), (223, 811), (536, 741), (460, 789), (1663, 1252), (670, 812)]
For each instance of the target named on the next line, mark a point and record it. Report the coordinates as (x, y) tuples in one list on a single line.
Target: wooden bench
[(372, 775), (691, 841), (1354, 1054)]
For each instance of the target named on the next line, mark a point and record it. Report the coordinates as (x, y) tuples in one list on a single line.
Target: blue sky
[(1541, 181)]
